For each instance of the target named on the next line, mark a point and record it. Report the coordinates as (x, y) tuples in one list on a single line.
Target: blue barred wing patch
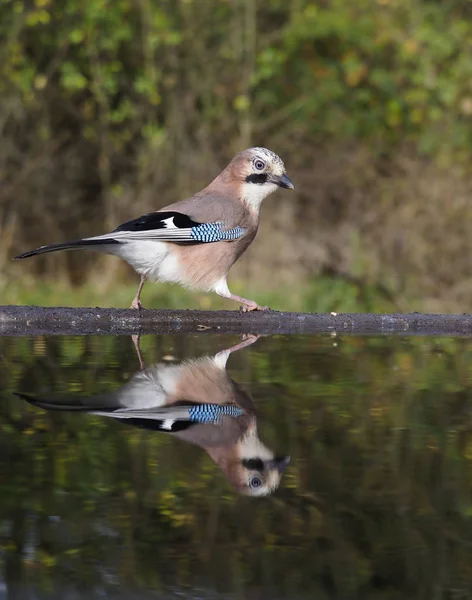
[(214, 232), (211, 413)]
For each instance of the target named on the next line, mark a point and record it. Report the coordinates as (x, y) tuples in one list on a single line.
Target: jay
[(196, 241), (197, 402)]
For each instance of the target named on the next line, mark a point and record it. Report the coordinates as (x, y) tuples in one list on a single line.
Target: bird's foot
[(252, 306), (247, 305), (136, 304), (249, 338)]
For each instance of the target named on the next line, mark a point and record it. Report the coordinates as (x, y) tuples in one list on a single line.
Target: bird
[(196, 401), (195, 242)]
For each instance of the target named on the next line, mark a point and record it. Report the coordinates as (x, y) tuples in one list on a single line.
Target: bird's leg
[(136, 301), (221, 288), (222, 356), (136, 341)]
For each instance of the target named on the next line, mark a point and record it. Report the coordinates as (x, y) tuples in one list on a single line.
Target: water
[(375, 502)]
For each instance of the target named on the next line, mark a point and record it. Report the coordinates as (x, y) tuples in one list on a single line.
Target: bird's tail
[(76, 245), (53, 404)]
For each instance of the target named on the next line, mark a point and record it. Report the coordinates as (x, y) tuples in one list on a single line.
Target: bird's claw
[(253, 337), (250, 307), (136, 304)]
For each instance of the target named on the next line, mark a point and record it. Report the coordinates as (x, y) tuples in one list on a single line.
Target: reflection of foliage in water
[(376, 500)]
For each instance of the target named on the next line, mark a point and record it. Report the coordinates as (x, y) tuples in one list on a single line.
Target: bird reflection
[(197, 402)]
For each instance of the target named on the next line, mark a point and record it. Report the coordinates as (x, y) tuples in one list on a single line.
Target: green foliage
[(384, 69), (375, 69)]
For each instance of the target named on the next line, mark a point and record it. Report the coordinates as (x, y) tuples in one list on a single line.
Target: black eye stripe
[(257, 178), (255, 464)]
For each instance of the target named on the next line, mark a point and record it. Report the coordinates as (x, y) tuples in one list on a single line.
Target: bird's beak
[(284, 181), (279, 463)]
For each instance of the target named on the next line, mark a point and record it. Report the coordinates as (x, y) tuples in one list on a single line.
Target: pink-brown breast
[(201, 266)]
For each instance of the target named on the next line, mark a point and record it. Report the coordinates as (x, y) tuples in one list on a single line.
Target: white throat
[(250, 446), (254, 194)]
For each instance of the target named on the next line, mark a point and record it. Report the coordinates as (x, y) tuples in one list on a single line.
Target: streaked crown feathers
[(272, 161)]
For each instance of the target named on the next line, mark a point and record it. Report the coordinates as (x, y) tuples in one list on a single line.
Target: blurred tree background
[(109, 109)]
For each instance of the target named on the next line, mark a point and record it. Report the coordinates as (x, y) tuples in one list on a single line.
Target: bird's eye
[(255, 482), (259, 165)]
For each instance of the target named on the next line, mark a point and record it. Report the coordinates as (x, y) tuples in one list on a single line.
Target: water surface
[(375, 502)]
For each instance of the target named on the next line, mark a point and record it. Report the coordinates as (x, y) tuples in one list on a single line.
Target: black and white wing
[(166, 418), (171, 226), (165, 226)]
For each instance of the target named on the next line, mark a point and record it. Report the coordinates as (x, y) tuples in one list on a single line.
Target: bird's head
[(260, 477), (259, 172), (251, 467)]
